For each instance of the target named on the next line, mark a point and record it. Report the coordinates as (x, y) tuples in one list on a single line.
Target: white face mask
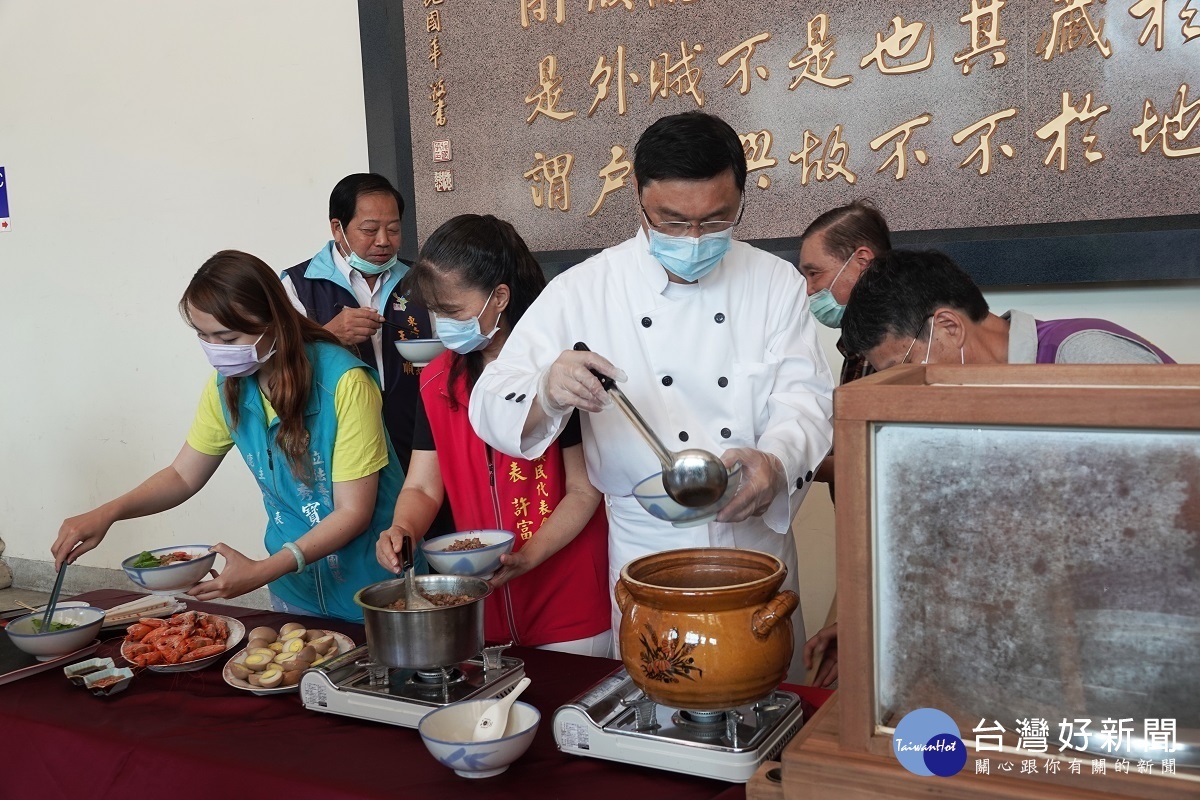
[(962, 353), (236, 360)]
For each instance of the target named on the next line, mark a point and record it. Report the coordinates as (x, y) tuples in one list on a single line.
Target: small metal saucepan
[(427, 637)]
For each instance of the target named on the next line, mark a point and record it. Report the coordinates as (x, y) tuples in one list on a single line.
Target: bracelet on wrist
[(294, 549)]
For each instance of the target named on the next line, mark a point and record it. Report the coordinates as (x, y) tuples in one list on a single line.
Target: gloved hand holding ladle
[(693, 477)]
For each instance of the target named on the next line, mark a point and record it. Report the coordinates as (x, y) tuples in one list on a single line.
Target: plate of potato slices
[(273, 660)]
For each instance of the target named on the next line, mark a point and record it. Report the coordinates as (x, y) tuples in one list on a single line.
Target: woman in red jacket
[(478, 277)]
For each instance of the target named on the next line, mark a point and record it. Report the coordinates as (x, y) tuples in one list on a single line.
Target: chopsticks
[(141, 604), (135, 609), (58, 582), (384, 320)]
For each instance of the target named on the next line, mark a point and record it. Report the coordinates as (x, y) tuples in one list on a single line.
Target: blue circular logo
[(927, 742)]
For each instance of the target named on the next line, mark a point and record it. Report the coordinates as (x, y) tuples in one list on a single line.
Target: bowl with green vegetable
[(170, 569), (69, 630)]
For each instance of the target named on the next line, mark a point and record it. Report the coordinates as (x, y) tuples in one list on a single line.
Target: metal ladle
[(694, 477)]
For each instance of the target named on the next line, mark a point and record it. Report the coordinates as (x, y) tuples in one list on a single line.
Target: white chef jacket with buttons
[(730, 361)]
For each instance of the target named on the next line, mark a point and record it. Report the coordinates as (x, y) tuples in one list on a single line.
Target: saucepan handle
[(779, 609)]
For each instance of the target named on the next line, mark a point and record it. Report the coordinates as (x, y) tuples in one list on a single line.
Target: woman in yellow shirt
[(306, 417)]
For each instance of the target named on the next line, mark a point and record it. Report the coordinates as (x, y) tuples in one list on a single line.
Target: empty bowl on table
[(173, 577), (448, 734), (476, 563), (52, 644), (420, 351), (654, 498)]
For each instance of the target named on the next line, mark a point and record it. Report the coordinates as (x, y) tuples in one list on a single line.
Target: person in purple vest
[(919, 307)]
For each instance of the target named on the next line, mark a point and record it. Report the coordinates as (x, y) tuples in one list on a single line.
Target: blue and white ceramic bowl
[(478, 563), (654, 498), (447, 733), (52, 644), (173, 577)]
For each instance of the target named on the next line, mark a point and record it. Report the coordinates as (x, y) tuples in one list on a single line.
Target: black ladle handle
[(406, 554), (665, 456), (605, 381)]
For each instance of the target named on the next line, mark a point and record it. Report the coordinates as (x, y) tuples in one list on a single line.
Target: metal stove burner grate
[(430, 687), (708, 725), (615, 720), (437, 677), (731, 728), (700, 718), (356, 686)]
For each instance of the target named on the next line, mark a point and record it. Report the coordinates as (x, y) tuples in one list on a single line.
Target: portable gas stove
[(614, 720), (354, 686)]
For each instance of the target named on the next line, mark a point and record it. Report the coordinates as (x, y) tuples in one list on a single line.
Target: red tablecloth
[(189, 735)]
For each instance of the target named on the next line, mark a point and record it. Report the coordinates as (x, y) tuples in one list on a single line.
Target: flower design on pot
[(667, 660)]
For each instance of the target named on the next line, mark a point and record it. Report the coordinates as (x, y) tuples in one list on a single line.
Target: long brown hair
[(244, 295)]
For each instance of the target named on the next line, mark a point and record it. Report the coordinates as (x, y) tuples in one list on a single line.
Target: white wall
[(139, 138)]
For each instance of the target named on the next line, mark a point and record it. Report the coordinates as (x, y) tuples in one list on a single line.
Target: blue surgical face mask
[(361, 264), (688, 257), (465, 336), (825, 308)]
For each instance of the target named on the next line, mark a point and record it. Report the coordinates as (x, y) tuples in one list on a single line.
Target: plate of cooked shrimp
[(183, 642)]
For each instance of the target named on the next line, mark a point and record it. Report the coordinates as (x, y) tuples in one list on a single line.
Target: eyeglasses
[(673, 228)]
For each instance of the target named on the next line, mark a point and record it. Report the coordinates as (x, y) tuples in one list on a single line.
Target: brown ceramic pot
[(705, 628)]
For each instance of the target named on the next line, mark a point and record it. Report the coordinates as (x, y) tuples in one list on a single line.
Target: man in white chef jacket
[(711, 340)]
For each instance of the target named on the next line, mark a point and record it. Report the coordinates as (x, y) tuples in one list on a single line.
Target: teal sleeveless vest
[(293, 508)]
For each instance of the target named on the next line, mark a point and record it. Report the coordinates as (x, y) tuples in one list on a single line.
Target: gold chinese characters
[(900, 140)]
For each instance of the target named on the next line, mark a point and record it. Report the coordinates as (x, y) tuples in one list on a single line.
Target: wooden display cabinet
[(1015, 544)]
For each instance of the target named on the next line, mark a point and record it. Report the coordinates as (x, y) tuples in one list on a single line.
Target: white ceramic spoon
[(495, 719)]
